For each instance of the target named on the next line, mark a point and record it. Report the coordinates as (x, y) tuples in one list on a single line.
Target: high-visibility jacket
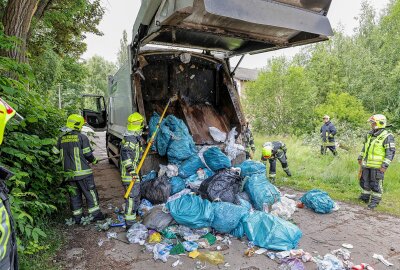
[(378, 150), (278, 150), (131, 152), (76, 154), (328, 132)]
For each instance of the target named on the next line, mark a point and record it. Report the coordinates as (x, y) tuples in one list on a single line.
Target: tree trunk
[(17, 20)]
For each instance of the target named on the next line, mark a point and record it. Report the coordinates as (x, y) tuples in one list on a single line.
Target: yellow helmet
[(6, 113), (267, 150), (135, 122), (379, 120), (75, 122)]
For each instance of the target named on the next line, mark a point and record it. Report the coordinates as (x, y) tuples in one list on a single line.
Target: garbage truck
[(184, 48)]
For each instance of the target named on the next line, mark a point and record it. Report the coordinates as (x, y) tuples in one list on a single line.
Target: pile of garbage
[(199, 197)]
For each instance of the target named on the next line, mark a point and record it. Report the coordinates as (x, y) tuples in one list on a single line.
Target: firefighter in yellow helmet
[(131, 152), (375, 157), (272, 151), (76, 155), (8, 241)]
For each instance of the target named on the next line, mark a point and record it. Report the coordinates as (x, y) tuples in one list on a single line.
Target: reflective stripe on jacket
[(131, 151), (75, 153), (378, 150)]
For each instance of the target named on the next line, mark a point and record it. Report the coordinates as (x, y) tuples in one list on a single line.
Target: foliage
[(98, 69), (275, 102), (35, 188), (123, 50)]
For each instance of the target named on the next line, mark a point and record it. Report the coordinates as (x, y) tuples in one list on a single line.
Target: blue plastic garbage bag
[(216, 160), (195, 177), (150, 176), (191, 211), (261, 191), (227, 216), (190, 166), (271, 232), (175, 141), (318, 200), (250, 167), (238, 232), (177, 184), (152, 128)]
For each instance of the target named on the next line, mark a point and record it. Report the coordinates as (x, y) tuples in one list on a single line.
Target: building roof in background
[(246, 74)]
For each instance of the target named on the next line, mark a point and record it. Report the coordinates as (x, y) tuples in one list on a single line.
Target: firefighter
[(272, 151), (328, 132), (248, 139), (8, 240), (375, 157), (76, 155), (131, 152)]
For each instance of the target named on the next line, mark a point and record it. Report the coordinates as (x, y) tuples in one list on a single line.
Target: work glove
[(95, 161)]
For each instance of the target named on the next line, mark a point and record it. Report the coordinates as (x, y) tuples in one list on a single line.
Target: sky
[(120, 15)]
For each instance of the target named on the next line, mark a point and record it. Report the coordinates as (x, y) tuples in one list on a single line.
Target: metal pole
[(59, 95)]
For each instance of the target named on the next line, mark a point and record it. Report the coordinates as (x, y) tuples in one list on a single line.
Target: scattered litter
[(86, 220), (161, 252), (290, 196), (100, 243), (111, 235), (382, 259), (176, 263), (260, 251), (110, 206), (342, 253), (194, 254), (217, 135), (169, 232), (213, 257), (292, 264), (104, 226), (177, 249), (219, 248), (232, 149), (211, 239), (69, 222), (192, 76), (155, 237), (190, 246), (363, 266), (137, 233), (157, 219), (144, 207), (349, 246), (284, 208), (227, 265), (318, 200), (249, 252), (330, 262)]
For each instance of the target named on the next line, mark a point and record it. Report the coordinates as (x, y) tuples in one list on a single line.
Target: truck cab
[(184, 47)]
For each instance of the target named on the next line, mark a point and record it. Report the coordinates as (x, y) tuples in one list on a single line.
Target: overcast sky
[(121, 14)]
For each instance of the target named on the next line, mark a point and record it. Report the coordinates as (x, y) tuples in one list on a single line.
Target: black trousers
[(371, 182), (281, 156), (332, 148), (132, 203), (87, 188)]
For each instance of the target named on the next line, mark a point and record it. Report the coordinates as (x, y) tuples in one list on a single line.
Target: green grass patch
[(335, 175), (43, 259)]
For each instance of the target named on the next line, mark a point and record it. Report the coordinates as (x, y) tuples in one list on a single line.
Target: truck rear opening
[(206, 95)]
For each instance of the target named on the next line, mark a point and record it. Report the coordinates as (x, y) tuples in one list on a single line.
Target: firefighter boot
[(364, 197), (374, 202), (287, 171)]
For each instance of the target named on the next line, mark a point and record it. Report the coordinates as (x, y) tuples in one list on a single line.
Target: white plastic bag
[(216, 134), (232, 149), (284, 209)]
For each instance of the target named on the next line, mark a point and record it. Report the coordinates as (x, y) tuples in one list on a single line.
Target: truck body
[(183, 47)]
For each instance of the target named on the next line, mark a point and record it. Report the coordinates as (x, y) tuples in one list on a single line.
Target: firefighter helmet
[(75, 122), (135, 122), (267, 150), (379, 120)]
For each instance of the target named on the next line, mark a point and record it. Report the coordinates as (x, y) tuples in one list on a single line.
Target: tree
[(98, 69), (123, 50)]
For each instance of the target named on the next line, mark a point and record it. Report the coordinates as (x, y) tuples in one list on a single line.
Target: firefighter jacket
[(378, 149), (278, 150), (75, 153), (131, 152)]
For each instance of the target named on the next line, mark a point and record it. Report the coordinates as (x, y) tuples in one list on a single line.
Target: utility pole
[(59, 96)]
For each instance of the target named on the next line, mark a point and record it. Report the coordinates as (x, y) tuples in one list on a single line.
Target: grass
[(44, 259), (335, 175)]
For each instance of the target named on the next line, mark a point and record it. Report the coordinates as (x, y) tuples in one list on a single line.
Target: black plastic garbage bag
[(223, 186), (157, 219), (157, 190)]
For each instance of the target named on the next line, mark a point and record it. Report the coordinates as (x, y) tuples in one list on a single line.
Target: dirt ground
[(369, 233)]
